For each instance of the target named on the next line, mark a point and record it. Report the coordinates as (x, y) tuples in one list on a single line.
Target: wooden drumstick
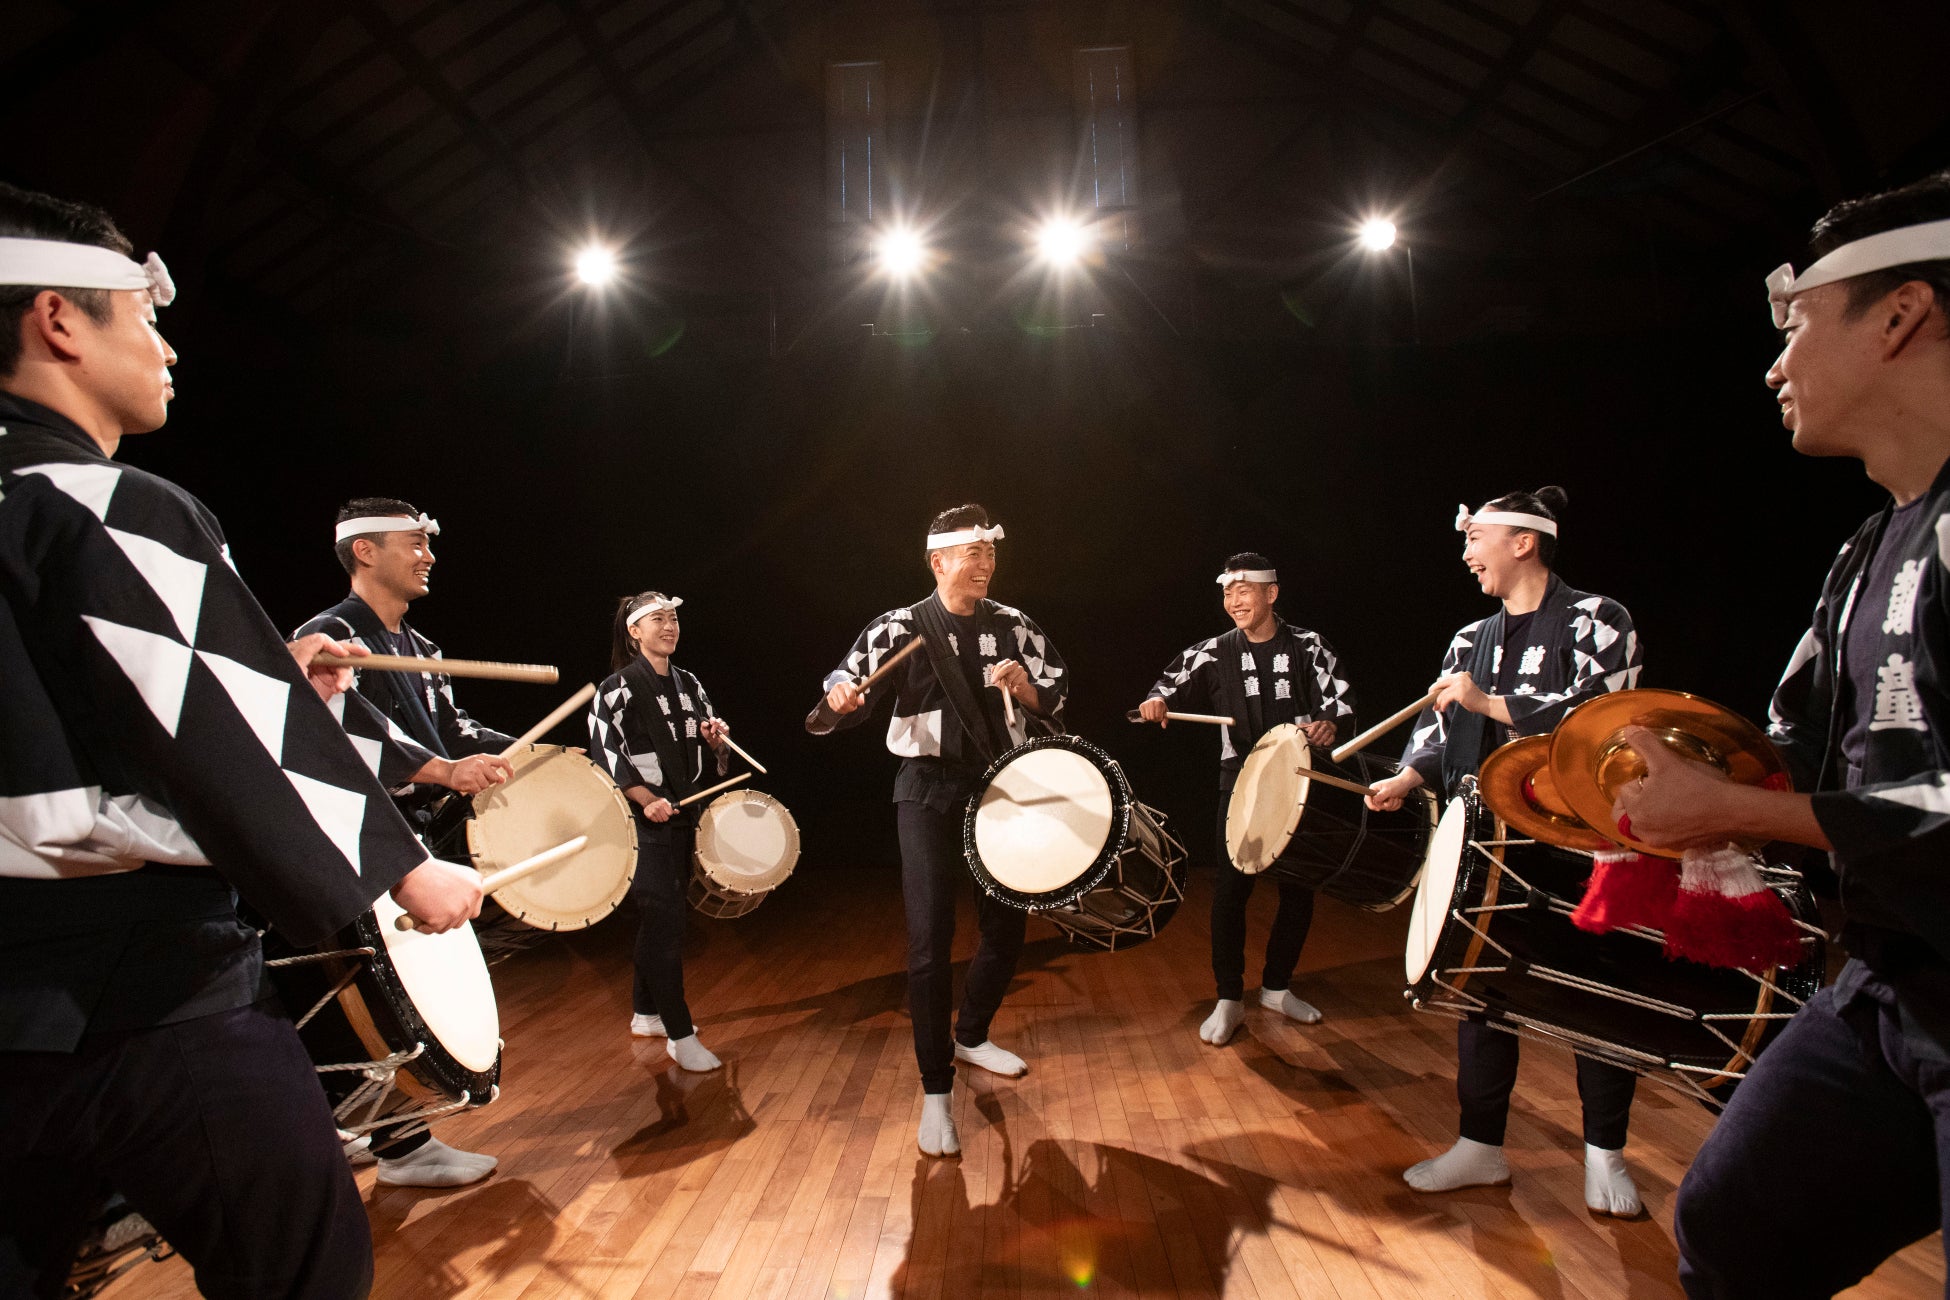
[(1215, 719), (542, 728), (732, 745), (722, 785), (508, 875), (887, 664), (1008, 705), (1382, 728), (542, 674), (1338, 782)]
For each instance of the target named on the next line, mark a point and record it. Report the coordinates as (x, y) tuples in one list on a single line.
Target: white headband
[(977, 534), (1231, 576), (650, 607), (1509, 518), (57, 264), (387, 524), (1929, 242)]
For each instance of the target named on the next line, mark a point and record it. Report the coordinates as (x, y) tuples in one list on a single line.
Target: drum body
[(747, 845), (402, 1025), (1491, 939), (554, 795), (1319, 835), (1056, 830)]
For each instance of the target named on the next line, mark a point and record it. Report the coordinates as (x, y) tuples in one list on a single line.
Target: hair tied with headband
[(656, 604), (1508, 518), (963, 536), (1231, 576), (58, 264)]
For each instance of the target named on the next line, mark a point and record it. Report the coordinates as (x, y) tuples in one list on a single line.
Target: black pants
[(934, 876), (1486, 1071), (1283, 945), (215, 1130), (1831, 1157), (663, 875)]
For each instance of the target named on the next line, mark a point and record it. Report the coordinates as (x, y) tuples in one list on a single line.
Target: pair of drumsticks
[(1340, 754)]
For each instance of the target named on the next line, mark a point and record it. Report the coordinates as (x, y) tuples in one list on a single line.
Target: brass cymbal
[(1590, 763), (1516, 783)]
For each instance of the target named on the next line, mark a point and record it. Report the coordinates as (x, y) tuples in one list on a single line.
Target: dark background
[(370, 206)]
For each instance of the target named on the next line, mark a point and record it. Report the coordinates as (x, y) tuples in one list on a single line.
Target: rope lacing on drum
[(345, 980)]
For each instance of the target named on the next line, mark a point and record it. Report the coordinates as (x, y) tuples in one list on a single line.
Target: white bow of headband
[(57, 264), (1508, 518), (367, 524), (963, 536), (1929, 242), (1231, 576), (649, 607)]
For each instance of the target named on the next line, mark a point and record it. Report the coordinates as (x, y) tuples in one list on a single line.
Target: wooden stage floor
[(1132, 1159)]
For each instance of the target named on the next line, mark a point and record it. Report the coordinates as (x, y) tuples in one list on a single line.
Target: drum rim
[(718, 888), (1106, 860), (513, 904), (377, 969)]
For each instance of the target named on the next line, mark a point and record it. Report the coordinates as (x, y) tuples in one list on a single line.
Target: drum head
[(1437, 890), (1044, 819), (747, 843), (446, 979), (553, 796), (1268, 799)]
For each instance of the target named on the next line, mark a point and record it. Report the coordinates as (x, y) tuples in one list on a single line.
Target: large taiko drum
[(401, 1025), (555, 794), (1056, 830), (1280, 821), (1490, 938), (747, 845)]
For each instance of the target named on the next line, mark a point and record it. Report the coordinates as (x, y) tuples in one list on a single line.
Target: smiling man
[(1845, 1120), (1263, 673), (946, 729), (1515, 674)]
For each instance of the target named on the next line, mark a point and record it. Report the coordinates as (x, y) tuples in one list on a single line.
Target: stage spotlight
[(1062, 242), (1377, 234), (900, 251), (595, 265)]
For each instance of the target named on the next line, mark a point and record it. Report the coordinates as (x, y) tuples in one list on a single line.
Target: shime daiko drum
[(1281, 820), (554, 795), (747, 845), (1490, 938), (1057, 831)]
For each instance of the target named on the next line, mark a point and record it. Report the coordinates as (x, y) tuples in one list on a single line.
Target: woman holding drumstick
[(648, 726), (1547, 648)]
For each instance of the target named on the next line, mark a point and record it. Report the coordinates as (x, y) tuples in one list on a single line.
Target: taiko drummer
[(987, 671), (1263, 673), (650, 725), (1516, 673)]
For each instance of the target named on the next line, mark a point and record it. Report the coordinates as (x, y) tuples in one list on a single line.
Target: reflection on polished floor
[(1132, 1159)]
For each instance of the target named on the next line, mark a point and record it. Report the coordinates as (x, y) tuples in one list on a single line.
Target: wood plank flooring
[(1133, 1159)]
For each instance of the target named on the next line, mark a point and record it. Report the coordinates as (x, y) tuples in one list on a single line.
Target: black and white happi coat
[(1579, 645), (423, 720), (641, 739), (1220, 675), (150, 713), (1889, 823), (923, 728)]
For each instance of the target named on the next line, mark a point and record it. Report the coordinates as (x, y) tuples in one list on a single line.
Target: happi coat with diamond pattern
[(1579, 645), (1219, 675), (151, 714)]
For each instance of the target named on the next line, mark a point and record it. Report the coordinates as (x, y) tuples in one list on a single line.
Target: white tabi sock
[(1283, 1001), (1223, 1022), (937, 1133), (1608, 1185), (988, 1056), (642, 1026), (1466, 1164), (436, 1165), (692, 1055)]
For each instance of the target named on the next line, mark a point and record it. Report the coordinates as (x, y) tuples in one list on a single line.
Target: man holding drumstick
[(1262, 674), (385, 546), (993, 651)]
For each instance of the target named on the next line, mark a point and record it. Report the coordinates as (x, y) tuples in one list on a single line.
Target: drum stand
[(379, 1084), (1689, 1080)]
